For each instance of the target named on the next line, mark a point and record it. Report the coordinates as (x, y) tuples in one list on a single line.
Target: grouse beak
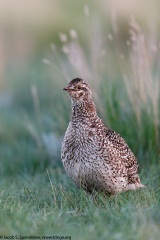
[(65, 89), (68, 88)]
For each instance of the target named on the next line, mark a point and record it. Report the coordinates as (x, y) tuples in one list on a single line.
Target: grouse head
[(78, 90)]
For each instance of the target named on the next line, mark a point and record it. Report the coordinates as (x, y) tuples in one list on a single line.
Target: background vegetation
[(43, 45)]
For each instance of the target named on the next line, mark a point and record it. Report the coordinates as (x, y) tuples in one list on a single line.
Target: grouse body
[(95, 157)]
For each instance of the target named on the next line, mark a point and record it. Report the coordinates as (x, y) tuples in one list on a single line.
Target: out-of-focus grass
[(124, 76)]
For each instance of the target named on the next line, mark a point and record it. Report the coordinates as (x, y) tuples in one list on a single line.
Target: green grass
[(31, 205)]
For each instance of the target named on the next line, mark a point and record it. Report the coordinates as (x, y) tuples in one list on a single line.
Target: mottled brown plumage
[(94, 156)]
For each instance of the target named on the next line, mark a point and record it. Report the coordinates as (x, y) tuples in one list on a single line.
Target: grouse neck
[(83, 109)]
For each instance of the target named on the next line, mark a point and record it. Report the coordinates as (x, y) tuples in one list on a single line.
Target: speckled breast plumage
[(91, 159)]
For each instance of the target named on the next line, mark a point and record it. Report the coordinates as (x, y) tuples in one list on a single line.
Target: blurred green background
[(114, 46)]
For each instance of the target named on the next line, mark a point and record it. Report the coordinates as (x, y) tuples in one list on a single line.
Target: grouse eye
[(78, 88)]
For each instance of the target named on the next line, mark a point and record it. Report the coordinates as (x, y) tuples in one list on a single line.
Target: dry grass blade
[(53, 191)]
